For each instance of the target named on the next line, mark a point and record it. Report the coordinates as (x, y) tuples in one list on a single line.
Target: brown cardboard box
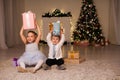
[(74, 61), (73, 54)]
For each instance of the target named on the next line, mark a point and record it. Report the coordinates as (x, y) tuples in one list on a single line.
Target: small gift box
[(73, 54), (56, 28), (28, 20), (74, 61), (84, 43)]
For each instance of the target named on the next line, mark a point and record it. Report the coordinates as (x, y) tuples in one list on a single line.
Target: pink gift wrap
[(28, 20)]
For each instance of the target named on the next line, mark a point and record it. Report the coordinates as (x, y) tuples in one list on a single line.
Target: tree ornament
[(107, 42), (87, 32), (85, 8), (95, 38), (90, 5)]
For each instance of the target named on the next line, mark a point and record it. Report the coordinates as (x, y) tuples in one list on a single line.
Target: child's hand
[(62, 31), (36, 23), (51, 30), (51, 27)]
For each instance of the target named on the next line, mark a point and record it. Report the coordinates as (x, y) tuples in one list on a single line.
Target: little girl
[(32, 55)]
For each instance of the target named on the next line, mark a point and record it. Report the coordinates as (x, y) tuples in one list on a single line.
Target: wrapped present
[(56, 28), (28, 20), (74, 61), (73, 54), (84, 43)]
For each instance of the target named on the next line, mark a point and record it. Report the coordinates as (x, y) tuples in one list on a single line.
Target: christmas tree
[(88, 27)]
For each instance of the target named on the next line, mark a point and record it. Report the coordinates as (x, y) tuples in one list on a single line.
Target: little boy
[(55, 53)]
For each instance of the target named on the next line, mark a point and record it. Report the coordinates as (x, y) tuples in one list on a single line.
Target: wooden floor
[(110, 53)]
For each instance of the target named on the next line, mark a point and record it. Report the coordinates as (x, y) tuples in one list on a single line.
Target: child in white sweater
[(55, 43)]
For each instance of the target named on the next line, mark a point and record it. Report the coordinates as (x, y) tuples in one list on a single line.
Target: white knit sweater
[(58, 46)]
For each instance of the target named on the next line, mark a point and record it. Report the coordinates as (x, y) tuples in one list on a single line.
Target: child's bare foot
[(46, 67), (20, 69), (33, 71)]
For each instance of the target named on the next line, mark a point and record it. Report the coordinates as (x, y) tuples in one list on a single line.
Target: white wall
[(42, 6)]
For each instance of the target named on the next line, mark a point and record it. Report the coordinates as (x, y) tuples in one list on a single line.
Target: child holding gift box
[(32, 55), (55, 53)]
